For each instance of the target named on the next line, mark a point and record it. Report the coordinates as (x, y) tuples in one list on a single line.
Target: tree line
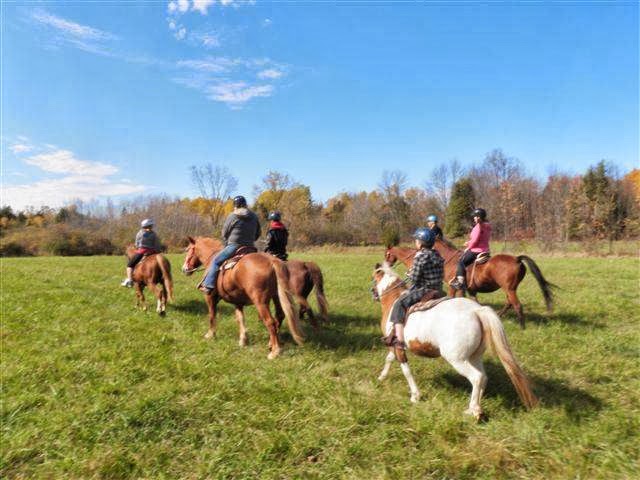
[(600, 204)]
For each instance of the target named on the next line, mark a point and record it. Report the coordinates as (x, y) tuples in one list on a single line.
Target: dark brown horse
[(153, 271), (257, 279), (501, 271), (304, 277)]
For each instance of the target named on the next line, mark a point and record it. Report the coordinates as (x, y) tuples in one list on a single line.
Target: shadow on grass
[(577, 403), (340, 335), (199, 307), (543, 319)]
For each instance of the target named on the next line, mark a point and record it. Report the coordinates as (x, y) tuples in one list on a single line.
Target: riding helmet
[(239, 202), (426, 236), (275, 216), (432, 218), (480, 212), (147, 222)]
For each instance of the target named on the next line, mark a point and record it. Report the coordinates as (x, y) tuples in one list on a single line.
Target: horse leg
[(141, 302), (415, 393), (505, 309), (517, 306), (211, 304), (387, 364), (241, 326), (158, 292), (473, 370), (272, 325), (306, 308), (279, 311)]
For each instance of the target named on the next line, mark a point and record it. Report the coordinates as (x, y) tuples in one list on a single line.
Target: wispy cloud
[(230, 80), (178, 7), (61, 31), (271, 73), (75, 179), (20, 148)]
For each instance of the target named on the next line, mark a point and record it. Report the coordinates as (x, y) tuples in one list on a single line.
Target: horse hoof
[(381, 378), (162, 313), (243, 342), (209, 335), (415, 398), (273, 355)]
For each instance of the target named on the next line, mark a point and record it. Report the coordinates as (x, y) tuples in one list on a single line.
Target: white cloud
[(81, 179), (172, 7), (267, 22), (209, 40), (183, 5), (271, 73), (64, 161), (203, 5), (181, 33), (210, 64), (70, 28), (236, 94), (20, 148)]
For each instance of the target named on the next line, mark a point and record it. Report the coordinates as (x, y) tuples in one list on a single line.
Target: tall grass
[(92, 388)]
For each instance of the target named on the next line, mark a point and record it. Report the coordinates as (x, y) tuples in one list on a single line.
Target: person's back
[(241, 228), (277, 237)]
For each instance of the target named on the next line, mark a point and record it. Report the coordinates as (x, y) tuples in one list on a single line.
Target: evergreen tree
[(460, 208)]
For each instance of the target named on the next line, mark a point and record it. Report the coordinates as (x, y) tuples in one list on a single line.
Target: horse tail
[(318, 283), (495, 336), (165, 267), (545, 286), (286, 300)]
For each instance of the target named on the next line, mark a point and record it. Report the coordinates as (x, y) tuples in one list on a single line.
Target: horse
[(153, 271), (458, 330), (257, 279), (303, 277), (501, 271)]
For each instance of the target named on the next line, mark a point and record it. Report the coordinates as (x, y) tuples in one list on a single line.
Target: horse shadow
[(199, 307), (578, 404), (343, 334), (544, 319)]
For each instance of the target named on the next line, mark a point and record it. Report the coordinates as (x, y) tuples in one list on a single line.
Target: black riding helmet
[(275, 216), (480, 212), (239, 202)]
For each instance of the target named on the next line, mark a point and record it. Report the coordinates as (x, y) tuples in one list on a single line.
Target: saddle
[(483, 257), (241, 252), (428, 301)]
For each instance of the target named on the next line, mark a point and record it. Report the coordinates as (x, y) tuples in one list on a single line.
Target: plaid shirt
[(427, 270)]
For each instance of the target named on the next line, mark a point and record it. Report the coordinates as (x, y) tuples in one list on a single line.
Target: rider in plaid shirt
[(426, 277)]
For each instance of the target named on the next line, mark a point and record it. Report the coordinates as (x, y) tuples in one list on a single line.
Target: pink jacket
[(479, 238)]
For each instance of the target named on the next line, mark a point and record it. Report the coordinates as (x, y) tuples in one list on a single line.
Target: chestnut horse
[(501, 271), (258, 279), (458, 330), (153, 271), (304, 277)]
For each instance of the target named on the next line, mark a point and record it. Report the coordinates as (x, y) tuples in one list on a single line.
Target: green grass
[(92, 388)]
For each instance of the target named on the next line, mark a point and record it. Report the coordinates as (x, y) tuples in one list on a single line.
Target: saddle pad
[(229, 264), (483, 258), (422, 306)]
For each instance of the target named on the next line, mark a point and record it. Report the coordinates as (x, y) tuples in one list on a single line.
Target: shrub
[(14, 249)]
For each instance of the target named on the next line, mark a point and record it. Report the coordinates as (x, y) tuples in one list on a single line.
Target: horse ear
[(191, 240)]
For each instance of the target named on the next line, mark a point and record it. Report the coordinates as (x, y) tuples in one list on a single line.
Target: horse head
[(192, 260), (383, 277), (390, 256)]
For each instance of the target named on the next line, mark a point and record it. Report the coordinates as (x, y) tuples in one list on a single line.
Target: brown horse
[(153, 271), (501, 271), (258, 279), (303, 277)]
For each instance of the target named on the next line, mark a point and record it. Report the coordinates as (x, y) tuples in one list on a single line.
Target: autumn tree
[(460, 208)]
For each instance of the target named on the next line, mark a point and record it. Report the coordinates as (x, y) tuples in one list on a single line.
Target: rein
[(202, 266), (378, 296)]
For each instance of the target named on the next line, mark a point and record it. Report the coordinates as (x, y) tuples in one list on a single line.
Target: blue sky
[(118, 99)]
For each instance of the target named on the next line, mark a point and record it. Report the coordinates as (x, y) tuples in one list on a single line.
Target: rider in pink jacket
[(478, 243)]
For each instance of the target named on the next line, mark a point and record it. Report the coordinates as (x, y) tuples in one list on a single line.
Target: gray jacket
[(241, 228), (148, 239)]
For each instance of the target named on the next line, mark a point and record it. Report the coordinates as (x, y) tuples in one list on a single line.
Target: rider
[(432, 223), (478, 243), (240, 229), (277, 237), (426, 277), (147, 242)]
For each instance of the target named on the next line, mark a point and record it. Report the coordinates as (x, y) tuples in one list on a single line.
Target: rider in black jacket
[(277, 237)]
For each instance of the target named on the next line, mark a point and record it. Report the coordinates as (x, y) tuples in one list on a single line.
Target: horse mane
[(386, 269), (447, 243), (212, 243)]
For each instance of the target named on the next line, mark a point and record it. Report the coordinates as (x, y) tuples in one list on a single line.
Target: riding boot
[(458, 283)]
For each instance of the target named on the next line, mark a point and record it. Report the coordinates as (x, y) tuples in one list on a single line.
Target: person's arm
[(157, 243), (416, 270), (138, 238), (474, 237), (269, 241), (226, 228), (258, 229)]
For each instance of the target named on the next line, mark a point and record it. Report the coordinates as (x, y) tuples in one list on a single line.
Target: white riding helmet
[(147, 222)]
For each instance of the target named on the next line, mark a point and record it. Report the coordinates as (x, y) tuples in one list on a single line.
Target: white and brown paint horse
[(457, 330)]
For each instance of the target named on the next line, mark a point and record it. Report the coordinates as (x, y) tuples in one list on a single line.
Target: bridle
[(202, 264), (377, 296)]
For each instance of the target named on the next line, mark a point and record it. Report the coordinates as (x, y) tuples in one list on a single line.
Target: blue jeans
[(212, 275)]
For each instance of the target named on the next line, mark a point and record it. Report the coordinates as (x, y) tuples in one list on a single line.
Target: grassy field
[(92, 388)]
